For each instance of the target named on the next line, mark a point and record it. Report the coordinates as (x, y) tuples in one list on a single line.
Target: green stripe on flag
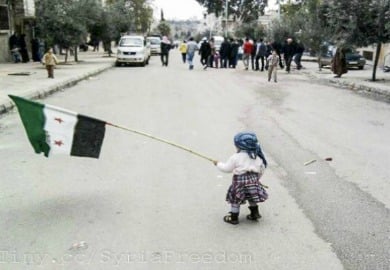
[(33, 120)]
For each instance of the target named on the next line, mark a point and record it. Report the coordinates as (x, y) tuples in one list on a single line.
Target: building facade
[(16, 16)]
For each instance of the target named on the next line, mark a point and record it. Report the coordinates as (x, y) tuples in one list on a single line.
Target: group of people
[(210, 56), (18, 47), (258, 54)]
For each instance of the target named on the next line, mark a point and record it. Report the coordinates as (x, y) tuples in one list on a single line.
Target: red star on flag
[(59, 143), (59, 120)]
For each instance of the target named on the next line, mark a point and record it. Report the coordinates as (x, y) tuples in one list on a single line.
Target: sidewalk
[(355, 80), (32, 82)]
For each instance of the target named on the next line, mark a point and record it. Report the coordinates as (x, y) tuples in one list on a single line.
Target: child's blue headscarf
[(248, 142)]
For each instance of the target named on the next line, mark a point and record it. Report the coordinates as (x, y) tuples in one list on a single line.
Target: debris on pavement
[(79, 246), (309, 162), (314, 160), (20, 73)]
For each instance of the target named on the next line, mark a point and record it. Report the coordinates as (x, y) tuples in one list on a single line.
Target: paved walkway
[(355, 80), (30, 79)]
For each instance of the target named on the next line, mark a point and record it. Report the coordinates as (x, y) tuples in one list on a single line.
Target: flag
[(54, 130)]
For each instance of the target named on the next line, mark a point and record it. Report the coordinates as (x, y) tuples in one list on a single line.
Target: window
[(4, 23)]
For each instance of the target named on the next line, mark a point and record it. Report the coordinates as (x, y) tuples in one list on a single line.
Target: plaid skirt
[(246, 187)]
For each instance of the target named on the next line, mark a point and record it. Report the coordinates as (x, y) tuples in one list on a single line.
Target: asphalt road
[(148, 205)]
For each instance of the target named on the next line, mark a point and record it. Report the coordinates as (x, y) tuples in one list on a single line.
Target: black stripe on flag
[(88, 137)]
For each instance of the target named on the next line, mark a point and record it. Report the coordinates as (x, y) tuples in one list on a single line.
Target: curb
[(373, 92), (39, 94)]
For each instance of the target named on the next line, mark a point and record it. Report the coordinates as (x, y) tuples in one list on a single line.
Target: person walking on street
[(339, 63), (247, 48), (183, 50), (273, 61), (253, 56), (247, 165), (23, 48), (261, 53), (210, 60), (288, 53), (165, 47), (50, 60), (233, 53), (276, 46), (191, 49), (224, 53), (268, 53), (299, 49), (204, 52)]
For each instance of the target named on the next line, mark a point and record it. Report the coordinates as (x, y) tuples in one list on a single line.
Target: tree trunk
[(76, 59), (378, 51)]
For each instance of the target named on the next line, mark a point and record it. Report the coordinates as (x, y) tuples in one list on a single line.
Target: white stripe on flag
[(59, 125)]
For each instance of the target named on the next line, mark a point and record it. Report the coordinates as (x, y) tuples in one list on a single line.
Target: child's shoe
[(254, 215), (232, 218)]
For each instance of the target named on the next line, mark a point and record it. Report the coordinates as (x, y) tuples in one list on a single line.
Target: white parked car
[(133, 50), (155, 45)]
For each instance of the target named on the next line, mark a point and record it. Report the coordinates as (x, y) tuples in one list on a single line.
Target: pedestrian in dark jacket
[(261, 54), (233, 53), (165, 47), (224, 53), (299, 49), (23, 49), (213, 50), (288, 53), (204, 52), (278, 48)]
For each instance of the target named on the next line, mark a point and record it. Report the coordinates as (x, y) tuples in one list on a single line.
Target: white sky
[(178, 9)]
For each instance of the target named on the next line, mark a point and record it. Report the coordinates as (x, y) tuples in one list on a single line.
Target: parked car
[(354, 59), (155, 45), (133, 50)]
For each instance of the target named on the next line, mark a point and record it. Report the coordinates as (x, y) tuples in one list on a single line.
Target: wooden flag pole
[(167, 142), (162, 140)]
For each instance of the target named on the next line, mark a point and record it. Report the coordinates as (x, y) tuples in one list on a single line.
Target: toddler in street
[(272, 62), (247, 165), (216, 59), (50, 60)]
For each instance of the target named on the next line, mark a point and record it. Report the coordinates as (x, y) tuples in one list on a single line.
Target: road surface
[(148, 205)]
